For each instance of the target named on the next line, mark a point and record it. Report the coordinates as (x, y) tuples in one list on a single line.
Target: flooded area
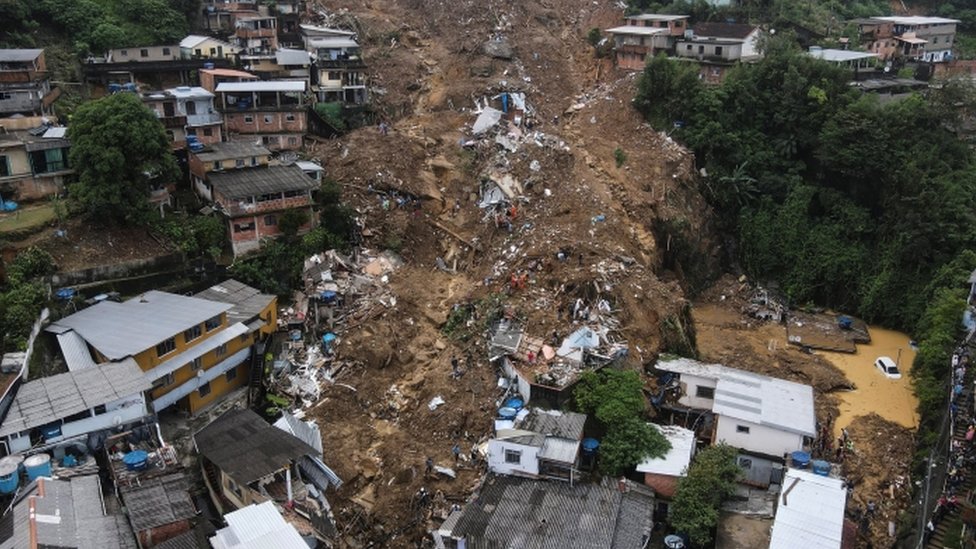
[(892, 399)]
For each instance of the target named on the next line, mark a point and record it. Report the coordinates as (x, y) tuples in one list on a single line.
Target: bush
[(620, 156), (711, 479)]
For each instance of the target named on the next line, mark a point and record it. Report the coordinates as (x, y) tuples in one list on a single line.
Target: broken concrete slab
[(499, 48), (488, 119)]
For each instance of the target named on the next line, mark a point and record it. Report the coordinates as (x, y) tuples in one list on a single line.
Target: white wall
[(761, 439), (524, 389), (529, 465), (750, 48), (689, 388)]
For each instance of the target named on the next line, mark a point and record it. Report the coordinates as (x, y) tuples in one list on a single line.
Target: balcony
[(171, 122), (205, 119), (241, 208)]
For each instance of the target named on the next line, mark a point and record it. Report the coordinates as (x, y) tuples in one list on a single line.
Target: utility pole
[(898, 360)]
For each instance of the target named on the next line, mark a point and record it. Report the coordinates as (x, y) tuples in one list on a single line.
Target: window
[(292, 140), (166, 347), (191, 131), (231, 375), (513, 456), (204, 389), (704, 392), (239, 163), (165, 51), (701, 49), (124, 53), (214, 323), (191, 107), (5, 96), (688, 47), (163, 381), (335, 75), (244, 338), (199, 52), (935, 40), (248, 119), (143, 53), (4, 166), (718, 50), (192, 333), (100, 409), (293, 194), (254, 161), (268, 118), (290, 117), (267, 197), (208, 132), (745, 463), (742, 429), (243, 227), (196, 364), (216, 166), (270, 221), (221, 350), (213, 51)]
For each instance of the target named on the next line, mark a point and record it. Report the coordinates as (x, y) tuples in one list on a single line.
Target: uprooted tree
[(616, 399), (710, 480), (119, 150)]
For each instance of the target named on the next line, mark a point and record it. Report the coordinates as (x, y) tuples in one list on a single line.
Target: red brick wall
[(663, 485), (266, 122), (155, 536)]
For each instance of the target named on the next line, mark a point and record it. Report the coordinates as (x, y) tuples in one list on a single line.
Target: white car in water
[(887, 367)]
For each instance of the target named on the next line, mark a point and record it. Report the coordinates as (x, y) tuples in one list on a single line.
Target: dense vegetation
[(616, 399), (845, 201), (23, 296), (94, 26), (711, 479)]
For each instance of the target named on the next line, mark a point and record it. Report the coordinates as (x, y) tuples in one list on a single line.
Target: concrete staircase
[(964, 492)]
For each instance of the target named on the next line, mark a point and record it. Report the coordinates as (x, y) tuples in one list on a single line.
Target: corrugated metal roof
[(118, 330), (158, 501), (19, 56), (68, 514), (554, 423), (193, 40), (809, 513), (513, 512), (292, 57), (632, 29), (917, 20), (307, 431), (332, 42), (247, 302), (49, 399), (228, 150), (559, 449), (75, 351), (248, 182), (675, 462), (267, 86), (839, 56), (246, 447), (257, 527), (197, 381), (313, 30)]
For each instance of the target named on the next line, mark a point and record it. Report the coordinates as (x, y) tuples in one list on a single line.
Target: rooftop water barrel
[(821, 467), (38, 465), (136, 460), (590, 445), (800, 459), (507, 412), (515, 402), (9, 475)]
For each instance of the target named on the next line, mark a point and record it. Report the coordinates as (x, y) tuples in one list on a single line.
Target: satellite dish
[(199, 373)]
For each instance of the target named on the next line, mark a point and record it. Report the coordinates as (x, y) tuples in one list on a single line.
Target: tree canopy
[(616, 399), (119, 150), (711, 479)]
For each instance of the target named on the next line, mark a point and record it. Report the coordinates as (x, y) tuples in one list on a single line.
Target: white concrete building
[(541, 443)]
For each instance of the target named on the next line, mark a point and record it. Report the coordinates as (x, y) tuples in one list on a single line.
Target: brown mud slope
[(427, 60)]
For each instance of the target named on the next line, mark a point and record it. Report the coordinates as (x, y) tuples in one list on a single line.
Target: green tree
[(30, 264), (667, 91), (291, 222), (119, 150), (630, 442), (711, 479)]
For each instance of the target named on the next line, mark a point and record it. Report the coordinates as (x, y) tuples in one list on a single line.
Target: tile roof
[(51, 398), (158, 501), (257, 527), (247, 182), (68, 514), (118, 330), (514, 512), (246, 447), (675, 462), (247, 302), (809, 512)]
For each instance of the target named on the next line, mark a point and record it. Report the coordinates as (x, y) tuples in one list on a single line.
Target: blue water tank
[(209, 66), (65, 294), (800, 459), (515, 402), (506, 412), (9, 475), (821, 467), (38, 465), (136, 460), (590, 445)]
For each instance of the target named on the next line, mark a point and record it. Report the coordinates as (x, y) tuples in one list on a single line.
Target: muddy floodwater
[(891, 399)]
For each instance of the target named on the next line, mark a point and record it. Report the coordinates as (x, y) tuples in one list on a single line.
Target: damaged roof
[(246, 447), (63, 513), (258, 181), (554, 423), (514, 512), (159, 501), (51, 398), (247, 302), (257, 527)]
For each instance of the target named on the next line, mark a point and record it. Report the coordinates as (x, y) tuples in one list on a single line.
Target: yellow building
[(193, 350)]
